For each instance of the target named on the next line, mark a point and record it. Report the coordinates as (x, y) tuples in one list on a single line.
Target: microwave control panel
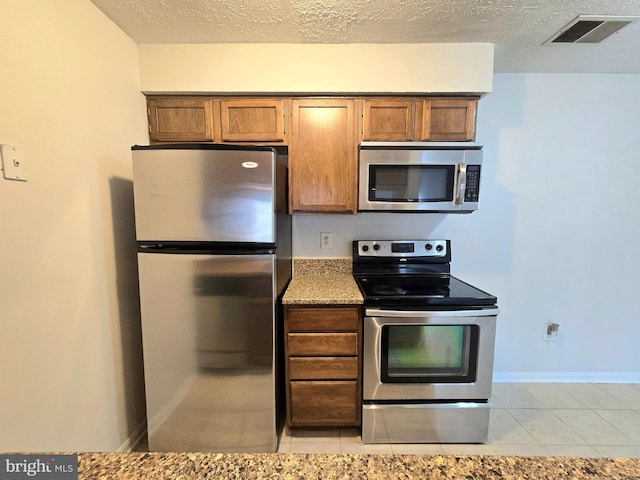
[(472, 191)]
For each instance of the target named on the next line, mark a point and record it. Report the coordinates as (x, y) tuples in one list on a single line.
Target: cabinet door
[(323, 156), (324, 404), (180, 119), (448, 119), (252, 120), (390, 120)]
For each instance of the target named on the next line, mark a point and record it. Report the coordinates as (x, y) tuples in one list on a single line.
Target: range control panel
[(402, 248)]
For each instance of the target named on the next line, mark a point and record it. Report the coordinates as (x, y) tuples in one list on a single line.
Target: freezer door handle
[(211, 248)]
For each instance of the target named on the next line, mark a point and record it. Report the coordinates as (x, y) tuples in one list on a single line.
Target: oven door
[(428, 355)]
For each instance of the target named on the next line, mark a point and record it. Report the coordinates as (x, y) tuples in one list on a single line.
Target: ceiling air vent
[(590, 29)]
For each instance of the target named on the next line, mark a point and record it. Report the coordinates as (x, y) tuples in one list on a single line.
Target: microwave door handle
[(462, 183)]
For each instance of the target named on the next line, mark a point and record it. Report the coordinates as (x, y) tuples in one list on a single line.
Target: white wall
[(557, 235), (70, 366), (316, 68)]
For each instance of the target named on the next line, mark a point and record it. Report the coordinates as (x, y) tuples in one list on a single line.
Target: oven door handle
[(376, 312)]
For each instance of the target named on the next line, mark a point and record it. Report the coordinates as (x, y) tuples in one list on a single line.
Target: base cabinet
[(323, 365)]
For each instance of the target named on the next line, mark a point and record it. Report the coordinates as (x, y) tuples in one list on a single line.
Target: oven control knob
[(428, 246), (439, 248), (376, 247), (365, 248)]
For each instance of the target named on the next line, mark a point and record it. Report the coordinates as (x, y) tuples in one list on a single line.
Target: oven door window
[(429, 353), (411, 183)]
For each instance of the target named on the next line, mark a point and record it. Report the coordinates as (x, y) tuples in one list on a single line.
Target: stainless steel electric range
[(428, 345)]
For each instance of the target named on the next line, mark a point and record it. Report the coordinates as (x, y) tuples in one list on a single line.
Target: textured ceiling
[(516, 27)]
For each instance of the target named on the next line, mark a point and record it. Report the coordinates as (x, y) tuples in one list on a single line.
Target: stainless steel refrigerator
[(214, 257)]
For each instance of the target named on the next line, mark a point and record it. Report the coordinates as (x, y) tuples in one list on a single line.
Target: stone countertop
[(322, 282), (169, 466)]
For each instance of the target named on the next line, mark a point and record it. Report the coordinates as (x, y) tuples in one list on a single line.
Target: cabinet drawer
[(323, 344), (323, 319), (323, 368), (324, 403)]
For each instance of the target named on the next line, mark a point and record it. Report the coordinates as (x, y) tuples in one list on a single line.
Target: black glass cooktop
[(432, 289)]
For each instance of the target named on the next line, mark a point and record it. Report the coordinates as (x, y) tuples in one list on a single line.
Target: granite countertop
[(160, 466), (322, 282)]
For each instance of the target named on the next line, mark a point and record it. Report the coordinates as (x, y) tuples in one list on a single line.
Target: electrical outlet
[(326, 240), (550, 331)]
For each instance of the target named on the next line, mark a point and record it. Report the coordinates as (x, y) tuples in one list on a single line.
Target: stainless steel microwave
[(439, 177)]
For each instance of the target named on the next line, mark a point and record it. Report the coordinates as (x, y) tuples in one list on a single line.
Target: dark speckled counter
[(170, 466)]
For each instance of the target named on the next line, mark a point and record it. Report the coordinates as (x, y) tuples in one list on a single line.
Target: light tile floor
[(539, 419)]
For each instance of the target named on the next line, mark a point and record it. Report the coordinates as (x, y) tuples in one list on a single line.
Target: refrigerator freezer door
[(204, 195), (208, 324)]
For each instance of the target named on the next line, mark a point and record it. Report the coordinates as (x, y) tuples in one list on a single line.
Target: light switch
[(14, 163)]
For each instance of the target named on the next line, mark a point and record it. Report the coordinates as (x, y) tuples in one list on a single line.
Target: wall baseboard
[(134, 439), (567, 377)]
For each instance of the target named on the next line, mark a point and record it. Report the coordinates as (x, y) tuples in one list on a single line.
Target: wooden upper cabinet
[(419, 119), (448, 120), (180, 119), (252, 120), (385, 119), (323, 156)]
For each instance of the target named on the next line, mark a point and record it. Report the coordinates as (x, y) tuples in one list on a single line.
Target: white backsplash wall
[(556, 237), (345, 228)]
